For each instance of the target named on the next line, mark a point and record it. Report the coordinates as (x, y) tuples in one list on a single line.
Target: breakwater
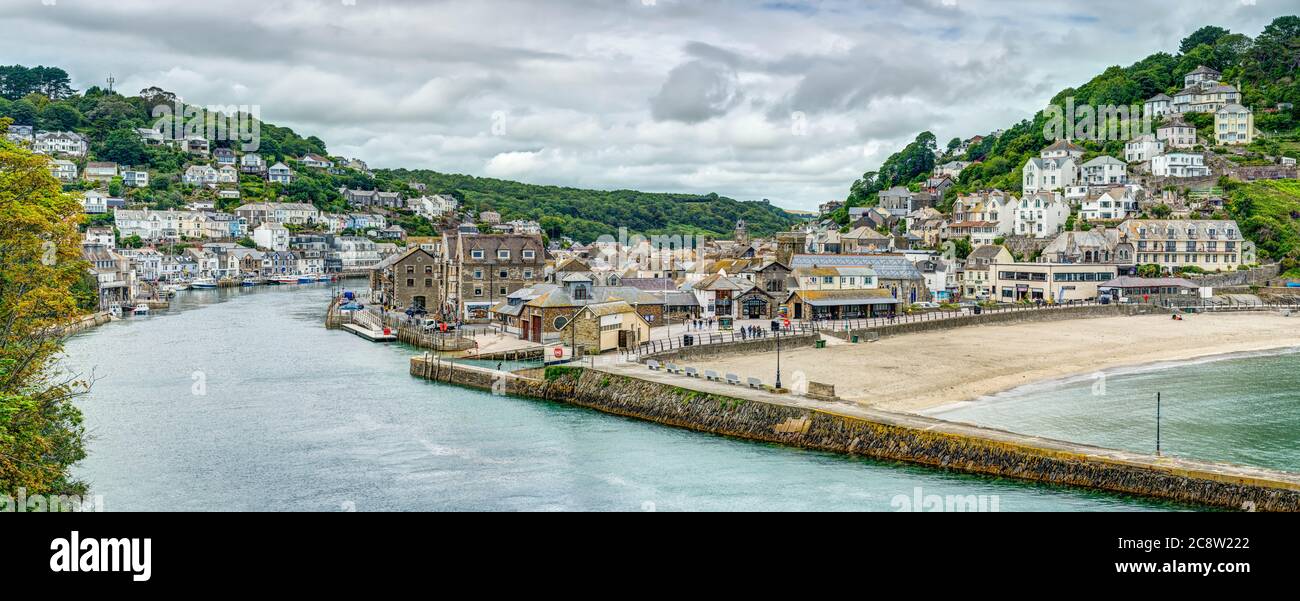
[(850, 429)]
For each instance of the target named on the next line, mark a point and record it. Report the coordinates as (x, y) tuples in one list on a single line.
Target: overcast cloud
[(784, 100)]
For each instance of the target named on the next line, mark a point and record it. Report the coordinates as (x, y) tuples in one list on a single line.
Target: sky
[(783, 100)]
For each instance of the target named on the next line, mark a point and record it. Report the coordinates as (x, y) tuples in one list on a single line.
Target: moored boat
[(203, 284), (141, 309)]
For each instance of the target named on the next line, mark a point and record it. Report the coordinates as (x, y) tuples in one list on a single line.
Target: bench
[(672, 368), (711, 375), (652, 364), (733, 379), (691, 372), (754, 382)]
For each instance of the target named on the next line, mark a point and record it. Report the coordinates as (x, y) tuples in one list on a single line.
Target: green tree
[(1207, 35), (41, 433), (123, 146)]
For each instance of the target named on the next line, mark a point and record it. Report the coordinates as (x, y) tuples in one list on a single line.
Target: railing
[(842, 325), (1230, 305), (714, 338), (849, 325)]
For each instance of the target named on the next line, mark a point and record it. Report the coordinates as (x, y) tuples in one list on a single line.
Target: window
[(477, 254), (503, 254), (478, 292), (410, 269), (529, 255), (560, 322), (428, 282), (478, 274), (428, 269), (528, 274), (410, 282), (503, 290), (504, 274)]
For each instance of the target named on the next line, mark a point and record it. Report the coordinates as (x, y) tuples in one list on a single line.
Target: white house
[(280, 173), (252, 163), (1041, 214), (1105, 170), (227, 174), (316, 160), (1159, 106), (1179, 164), (1118, 202), (95, 202), (1056, 168), (63, 170), (59, 142), (1143, 148), (199, 175), (271, 236), (1177, 134), (434, 207), (135, 179)]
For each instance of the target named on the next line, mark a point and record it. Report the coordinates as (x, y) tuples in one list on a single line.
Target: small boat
[(285, 280), (173, 288), (324, 278), (247, 282), (203, 284), (141, 309), (306, 279)]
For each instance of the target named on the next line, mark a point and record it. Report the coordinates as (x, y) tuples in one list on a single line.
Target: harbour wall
[(886, 436)]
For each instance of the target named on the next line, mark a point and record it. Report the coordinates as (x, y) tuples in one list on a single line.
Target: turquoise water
[(1241, 409), (240, 400)]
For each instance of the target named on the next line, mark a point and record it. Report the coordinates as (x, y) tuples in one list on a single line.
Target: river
[(240, 399)]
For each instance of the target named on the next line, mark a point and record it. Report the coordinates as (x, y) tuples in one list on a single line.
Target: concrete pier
[(633, 391)]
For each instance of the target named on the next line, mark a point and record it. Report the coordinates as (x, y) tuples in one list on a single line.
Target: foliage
[(585, 215), (1265, 68), (41, 432), (1267, 212)]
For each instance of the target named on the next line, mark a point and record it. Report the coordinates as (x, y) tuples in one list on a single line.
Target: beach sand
[(916, 372)]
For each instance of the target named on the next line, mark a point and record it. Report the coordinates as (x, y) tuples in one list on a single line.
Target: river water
[(241, 400)]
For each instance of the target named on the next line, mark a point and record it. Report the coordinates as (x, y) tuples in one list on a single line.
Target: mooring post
[(1157, 424)]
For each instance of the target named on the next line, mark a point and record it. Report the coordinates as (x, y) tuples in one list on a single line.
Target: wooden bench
[(711, 375), (691, 372), (754, 382), (652, 364), (733, 379)]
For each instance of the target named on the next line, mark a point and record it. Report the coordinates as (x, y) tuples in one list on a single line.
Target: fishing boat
[(203, 284), (140, 309), (324, 278), (306, 279), (289, 279)]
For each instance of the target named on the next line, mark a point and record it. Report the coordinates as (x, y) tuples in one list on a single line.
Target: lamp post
[(778, 359)]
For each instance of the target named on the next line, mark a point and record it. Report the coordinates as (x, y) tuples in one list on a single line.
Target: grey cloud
[(696, 91)]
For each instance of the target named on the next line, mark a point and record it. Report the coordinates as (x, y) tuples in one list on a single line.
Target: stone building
[(610, 326), (489, 267), (410, 280)]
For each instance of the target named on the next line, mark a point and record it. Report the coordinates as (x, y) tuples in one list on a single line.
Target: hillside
[(42, 97), (587, 214), (1265, 67)]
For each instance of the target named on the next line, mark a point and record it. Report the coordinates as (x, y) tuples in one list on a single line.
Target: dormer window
[(477, 254), (529, 255), (503, 255)]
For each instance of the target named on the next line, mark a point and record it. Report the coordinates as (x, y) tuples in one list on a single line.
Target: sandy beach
[(916, 372)]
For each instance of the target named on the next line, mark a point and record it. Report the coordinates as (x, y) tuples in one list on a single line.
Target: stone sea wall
[(912, 439), (1027, 316), (728, 349)]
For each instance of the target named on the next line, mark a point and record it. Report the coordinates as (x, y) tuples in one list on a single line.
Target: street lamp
[(778, 359)]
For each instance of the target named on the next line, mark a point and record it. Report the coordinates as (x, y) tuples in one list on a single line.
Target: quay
[(632, 390)]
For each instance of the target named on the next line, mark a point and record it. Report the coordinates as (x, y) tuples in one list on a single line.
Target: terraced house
[(1212, 245)]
